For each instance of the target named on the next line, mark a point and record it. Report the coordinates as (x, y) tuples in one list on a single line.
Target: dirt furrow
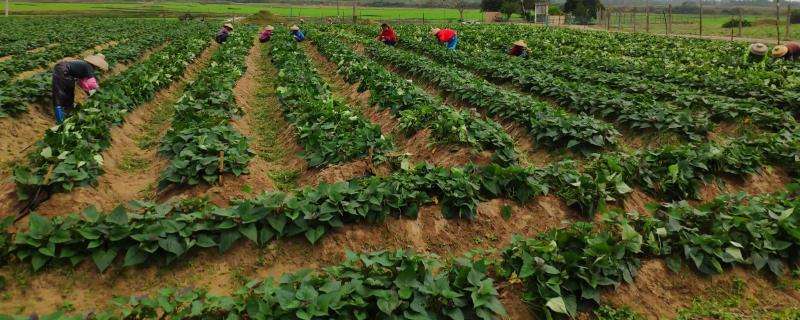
[(131, 166)]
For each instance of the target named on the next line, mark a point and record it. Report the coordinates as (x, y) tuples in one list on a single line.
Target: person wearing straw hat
[(446, 36), (297, 34), (387, 36), (789, 51), (520, 49), (223, 33), (66, 73), (756, 54), (266, 34)]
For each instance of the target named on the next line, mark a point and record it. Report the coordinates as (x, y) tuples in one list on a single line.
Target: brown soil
[(124, 180), (659, 293)]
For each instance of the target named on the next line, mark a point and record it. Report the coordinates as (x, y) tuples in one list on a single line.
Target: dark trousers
[(389, 42), (63, 88)]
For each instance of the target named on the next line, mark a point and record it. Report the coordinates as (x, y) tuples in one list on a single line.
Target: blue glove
[(60, 115)]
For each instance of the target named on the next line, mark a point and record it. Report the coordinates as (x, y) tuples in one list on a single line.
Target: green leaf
[(134, 256), (103, 258), (557, 304), (118, 216), (505, 212)]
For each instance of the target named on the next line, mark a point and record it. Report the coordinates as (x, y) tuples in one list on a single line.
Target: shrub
[(734, 23)]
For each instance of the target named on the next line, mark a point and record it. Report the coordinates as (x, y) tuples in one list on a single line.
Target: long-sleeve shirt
[(518, 51), (222, 35), (445, 35), (79, 69), (794, 48), (265, 35), (388, 35)]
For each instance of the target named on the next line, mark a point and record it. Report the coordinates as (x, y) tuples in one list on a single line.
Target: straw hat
[(294, 28), (270, 28), (434, 31), (228, 25), (758, 49), (97, 60), (779, 51), (521, 43)]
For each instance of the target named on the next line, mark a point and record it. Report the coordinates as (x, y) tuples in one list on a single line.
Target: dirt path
[(131, 168)]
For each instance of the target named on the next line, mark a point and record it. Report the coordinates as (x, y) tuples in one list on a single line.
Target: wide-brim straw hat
[(758, 49), (521, 43), (294, 28), (434, 31), (270, 28), (228, 25), (779, 51), (97, 60)]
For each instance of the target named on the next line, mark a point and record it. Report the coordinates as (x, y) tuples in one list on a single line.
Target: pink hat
[(88, 84)]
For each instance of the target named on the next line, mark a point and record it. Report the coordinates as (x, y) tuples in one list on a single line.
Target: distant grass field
[(174, 8), (763, 26)]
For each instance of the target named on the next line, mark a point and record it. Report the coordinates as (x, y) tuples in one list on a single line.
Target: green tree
[(509, 8), (583, 10), (491, 5)]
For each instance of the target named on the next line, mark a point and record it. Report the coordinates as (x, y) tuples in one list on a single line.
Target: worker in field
[(756, 54), (297, 33), (519, 49), (266, 34), (790, 51), (446, 36), (66, 73), (223, 33), (387, 36)]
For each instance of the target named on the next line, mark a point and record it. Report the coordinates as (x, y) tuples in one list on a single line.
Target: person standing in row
[(266, 34), (223, 33), (65, 74), (519, 49), (387, 36), (446, 36), (297, 33)]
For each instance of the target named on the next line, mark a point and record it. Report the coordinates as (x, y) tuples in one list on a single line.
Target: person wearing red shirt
[(387, 36), (520, 49), (790, 51), (446, 36)]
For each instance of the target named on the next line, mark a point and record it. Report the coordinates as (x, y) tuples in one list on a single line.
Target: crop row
[(767, 86), (560, 269), (23, 34), (330, 130), (415, 108), (74, 46), (144, 232), (379, 285), (201, 142), (548, 126), (632, 111), (719, 107), (69, 155), (15, 96)]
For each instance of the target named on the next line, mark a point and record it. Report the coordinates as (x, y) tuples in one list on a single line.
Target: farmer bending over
[(223, 33), (790, 51), (66, 73), (446, 36), (387, 36), (520, 49), (297, 34), (756, 54), (266, 34)]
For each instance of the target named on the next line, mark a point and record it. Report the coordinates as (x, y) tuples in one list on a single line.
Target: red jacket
[(445, 35), (794, 48), (388, 35)]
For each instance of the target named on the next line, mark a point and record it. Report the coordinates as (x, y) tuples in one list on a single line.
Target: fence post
[(701, 18), (634, 19), (778, 19), (619, 20), (732, 30), (355, 18), (608, 20), (788, 19), (647, 17), (669, 18), (740, 22)]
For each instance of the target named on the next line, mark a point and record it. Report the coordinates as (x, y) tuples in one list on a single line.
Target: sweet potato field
[(605, 176)]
